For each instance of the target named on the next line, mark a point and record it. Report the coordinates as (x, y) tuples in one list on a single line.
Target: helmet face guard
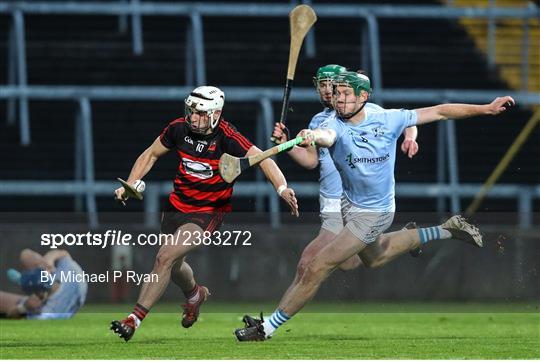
[(211, 121), (349, 115), (204, 101), (324, 74), (358, 82)]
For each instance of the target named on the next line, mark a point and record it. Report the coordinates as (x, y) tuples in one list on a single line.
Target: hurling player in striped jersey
[(199, 200)]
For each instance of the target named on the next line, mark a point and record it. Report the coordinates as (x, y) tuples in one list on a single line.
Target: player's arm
[(275, 176), (409, 146), (306, 157), (318, 137), (16, 307), (144, 164), (443, 112), (146, 160)]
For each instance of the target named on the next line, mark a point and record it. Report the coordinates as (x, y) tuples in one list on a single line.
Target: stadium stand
[(90, 50)]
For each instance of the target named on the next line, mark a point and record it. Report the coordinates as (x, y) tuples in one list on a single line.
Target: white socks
[(137, 320), (274, 322)]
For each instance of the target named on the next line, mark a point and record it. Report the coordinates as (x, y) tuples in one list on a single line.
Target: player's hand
[(290, 199), (281, 133), (500, 104), (119, 194), (409, 147), (309, 137)]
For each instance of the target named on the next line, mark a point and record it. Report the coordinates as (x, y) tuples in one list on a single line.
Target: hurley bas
[(114, 276)]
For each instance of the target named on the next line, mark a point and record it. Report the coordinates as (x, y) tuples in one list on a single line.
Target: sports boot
[(463, 230), (191, 310), (124, 328)]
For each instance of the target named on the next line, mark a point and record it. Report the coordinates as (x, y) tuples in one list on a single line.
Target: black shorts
[(173, 218)]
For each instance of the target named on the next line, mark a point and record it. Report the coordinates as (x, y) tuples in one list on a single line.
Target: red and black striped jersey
[(198, 186)]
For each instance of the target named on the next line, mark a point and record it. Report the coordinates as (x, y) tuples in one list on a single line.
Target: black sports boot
[(124, 328), (253, 331)]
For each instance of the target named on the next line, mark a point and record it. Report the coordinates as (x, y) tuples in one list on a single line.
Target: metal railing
[(154, 190), (85, 184), (195, 60)]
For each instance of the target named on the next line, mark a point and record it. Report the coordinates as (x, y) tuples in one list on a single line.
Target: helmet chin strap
[(351, 115)]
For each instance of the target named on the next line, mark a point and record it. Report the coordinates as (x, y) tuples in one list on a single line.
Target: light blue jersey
[(68, 298), (329, 179), (365, 156)]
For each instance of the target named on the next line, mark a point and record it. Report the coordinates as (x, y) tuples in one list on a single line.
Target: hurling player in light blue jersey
[(48, 293), (362, 145), (330, 191)]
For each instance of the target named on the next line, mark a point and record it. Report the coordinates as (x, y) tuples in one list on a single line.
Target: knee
[(351, 263), (164, 260), (372, 263), (315, 272), (302, 266)]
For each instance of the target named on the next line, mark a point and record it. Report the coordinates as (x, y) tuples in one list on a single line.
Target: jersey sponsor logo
[(352, 161), (198, 169)]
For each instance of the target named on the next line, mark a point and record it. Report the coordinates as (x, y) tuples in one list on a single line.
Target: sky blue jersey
[(69, 297), (365, 155), (329, 179)]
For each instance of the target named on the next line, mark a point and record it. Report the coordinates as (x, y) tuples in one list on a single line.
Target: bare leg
[(344, 246), (182, 275), (389, 246), (324, 238), (167, 255)]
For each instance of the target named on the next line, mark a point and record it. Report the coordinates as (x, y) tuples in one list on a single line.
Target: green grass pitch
[(322, 331)]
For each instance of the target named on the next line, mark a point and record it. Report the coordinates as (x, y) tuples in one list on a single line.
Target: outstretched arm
[(275, 176), (457, 111), (143, 164)]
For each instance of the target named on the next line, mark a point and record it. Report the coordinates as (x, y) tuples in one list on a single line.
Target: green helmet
[(327, 72), (358, 82)]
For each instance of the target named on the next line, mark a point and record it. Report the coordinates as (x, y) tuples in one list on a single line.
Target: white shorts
[(366, 225), (330, 214)]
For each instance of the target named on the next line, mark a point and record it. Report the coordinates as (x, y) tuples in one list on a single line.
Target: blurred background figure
[(49, 285)]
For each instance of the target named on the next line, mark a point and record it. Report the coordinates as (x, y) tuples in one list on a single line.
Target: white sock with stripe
[(433, 233), (274, 322)]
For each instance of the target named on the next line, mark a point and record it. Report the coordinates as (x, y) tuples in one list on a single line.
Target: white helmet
[(205, 99)]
